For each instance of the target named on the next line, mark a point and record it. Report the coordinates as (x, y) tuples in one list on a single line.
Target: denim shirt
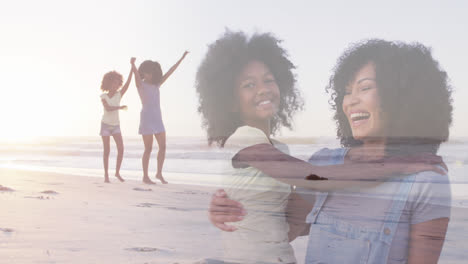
[(332, 240)]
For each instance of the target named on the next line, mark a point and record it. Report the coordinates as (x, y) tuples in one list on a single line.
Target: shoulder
[(326, 156), (429, 184), (247, 135), (430, 197), (431, 177), (280, 145)]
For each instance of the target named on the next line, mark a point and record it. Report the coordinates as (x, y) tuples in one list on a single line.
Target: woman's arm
[(223, 210), (293, 171), (127, 83), (426, 241), (136, 73), (173, 68), (296, 213)]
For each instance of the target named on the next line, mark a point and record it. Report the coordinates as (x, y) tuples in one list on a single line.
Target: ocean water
[(192, 161)]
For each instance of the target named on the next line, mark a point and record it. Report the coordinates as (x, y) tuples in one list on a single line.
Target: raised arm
[(136, 73), (173, 68), (290, 170), (127, 83)]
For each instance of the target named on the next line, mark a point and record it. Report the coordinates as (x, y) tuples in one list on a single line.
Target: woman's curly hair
[(215, 81), (415, 94), (109, 78), (153, 68)]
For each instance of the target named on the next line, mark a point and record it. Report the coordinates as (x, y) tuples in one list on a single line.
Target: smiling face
[(115, 85), (362, 106), (258, 95)]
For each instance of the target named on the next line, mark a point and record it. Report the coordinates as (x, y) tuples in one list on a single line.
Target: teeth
[(358, 115), (264, 102)]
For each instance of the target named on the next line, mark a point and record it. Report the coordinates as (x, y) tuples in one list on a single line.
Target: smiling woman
[(361, 105), (416, 119)]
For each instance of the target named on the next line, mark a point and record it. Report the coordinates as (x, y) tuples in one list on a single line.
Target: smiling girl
[(110, 124), (148, 79), (247, 92)]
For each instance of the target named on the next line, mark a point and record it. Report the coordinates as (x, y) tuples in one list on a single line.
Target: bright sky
[(54, 54)]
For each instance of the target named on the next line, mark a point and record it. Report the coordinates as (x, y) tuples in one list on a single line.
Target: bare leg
[(120, 150), (148, 140), (161, 139), (105, 157)]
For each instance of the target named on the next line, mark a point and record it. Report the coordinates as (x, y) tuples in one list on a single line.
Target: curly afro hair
[(415, 94), (215, 82), (153, 68), (109, 78)]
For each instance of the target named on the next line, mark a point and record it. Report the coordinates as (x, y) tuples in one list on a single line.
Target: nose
[(350, 100), (354, 98), (262, 89)]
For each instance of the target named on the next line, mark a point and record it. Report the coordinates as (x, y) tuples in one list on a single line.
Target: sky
[(54, 53)]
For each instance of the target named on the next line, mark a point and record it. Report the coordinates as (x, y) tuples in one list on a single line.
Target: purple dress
[(150, 116)]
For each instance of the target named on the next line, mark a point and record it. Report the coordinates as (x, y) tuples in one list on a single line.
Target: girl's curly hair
[(109, 78), (153, 68), (215, 81), (415, 94)]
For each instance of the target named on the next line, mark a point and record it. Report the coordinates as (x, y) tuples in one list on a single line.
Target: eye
[(270, 80), (248, 85), (365, 88)]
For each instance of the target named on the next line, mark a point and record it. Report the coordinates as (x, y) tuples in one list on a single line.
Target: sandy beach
[(59, 218), (54, 218)]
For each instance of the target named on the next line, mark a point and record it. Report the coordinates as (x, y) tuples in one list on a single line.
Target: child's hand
[(185, 53), (132, 60), (123, 107)]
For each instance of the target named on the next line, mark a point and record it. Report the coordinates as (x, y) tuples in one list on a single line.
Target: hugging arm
[(223, 210), (173, 68), (296, 212), (290, 170)]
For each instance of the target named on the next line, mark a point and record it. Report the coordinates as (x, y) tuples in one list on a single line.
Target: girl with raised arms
[(149, 79)]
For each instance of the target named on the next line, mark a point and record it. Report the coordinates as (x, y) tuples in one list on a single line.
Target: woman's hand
[(222, 210), (123, 107), (132, 60)]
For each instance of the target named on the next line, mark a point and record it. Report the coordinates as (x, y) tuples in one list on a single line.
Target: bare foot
[(117, 175), (147, 180), (106, 180), (160, 177)]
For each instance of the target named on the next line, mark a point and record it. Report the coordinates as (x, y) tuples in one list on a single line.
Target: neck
[(264, 126), (369, 150)]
